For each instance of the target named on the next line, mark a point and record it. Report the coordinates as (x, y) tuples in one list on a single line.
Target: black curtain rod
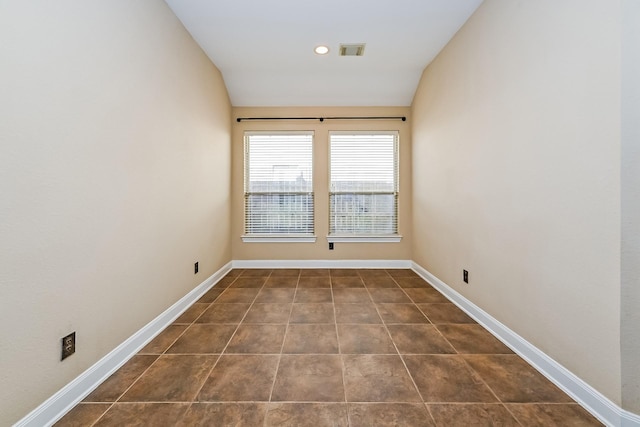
[(322, 119)]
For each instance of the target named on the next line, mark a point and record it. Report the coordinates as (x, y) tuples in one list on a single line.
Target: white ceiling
[(264, 48)]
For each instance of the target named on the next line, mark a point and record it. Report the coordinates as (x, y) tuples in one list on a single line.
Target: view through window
[(278, 183), (363, 190)]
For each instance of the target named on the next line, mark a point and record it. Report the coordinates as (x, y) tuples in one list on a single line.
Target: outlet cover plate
[(68, 345)]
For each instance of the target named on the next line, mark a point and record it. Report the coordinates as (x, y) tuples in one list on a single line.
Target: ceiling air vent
[(352, 49)]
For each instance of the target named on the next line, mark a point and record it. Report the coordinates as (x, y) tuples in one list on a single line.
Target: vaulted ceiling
[(264, 48)]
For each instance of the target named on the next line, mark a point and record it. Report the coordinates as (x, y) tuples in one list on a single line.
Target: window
[(278, 187), (363, 193)]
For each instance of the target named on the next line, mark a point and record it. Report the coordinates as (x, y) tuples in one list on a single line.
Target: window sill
[(278, 238), (395, 238)]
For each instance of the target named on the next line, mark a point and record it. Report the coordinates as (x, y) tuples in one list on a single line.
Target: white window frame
[(369, 238), (272, 237)]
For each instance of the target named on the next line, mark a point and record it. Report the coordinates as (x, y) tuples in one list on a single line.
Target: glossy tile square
[(314, 282), (351, 295), (515, 381), (203, 339), (276, 295), (83, 414), (289, 272), (344, 272), (473, 414), (425, 295), (390, 295), (312, 313), (377, 378), (357, 313), (268, 313), (137, 414), (249, 282), (419, 339), (236, 272), (447, 379), (164, 339), (411, 282), (256, 272), (373, 272), (313, 295), (365, 339), (401, 313), (309, 378), (314, 272), (257, 339), (191, 314), (538, 414), (472, 339), (338, 282), (281, 282), (175, 378), (224, 313), (307, 415), (212, 294), (311, 339), (119, 382), (443, 313), (224, 414), (401, 272), (227, 280), (380, 282), (238, 378), (389, 415), (237, 295)]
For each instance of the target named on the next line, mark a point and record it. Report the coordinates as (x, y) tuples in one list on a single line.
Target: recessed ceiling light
[(321, 50)]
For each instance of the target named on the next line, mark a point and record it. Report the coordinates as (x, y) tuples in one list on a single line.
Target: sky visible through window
[(359, 158), (280, 162), (279, 184)]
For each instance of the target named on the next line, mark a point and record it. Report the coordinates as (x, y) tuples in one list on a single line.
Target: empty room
[(346, 213)]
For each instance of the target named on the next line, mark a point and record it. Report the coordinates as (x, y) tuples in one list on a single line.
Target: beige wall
[(114, 176), (516, 175), (320, 249), (630, 156)]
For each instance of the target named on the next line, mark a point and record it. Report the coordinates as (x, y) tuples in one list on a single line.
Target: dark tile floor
[(326, 348)]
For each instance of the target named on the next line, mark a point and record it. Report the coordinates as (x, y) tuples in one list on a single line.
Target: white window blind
[(278, 184), (363, 194)]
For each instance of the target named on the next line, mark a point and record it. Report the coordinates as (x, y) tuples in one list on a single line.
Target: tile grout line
[(159, 355), (102, 415), (457, 353), (397, 349), (343, 364), (164, 352), (348, 405), (230, 338), (183, 332), (275, 376), (430, 322), (343, 367), (286, 329), (424, 404), (490, 389)]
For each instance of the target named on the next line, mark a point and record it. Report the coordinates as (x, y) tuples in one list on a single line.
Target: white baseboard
[(593, 401), (323, 263), (66, 398)]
